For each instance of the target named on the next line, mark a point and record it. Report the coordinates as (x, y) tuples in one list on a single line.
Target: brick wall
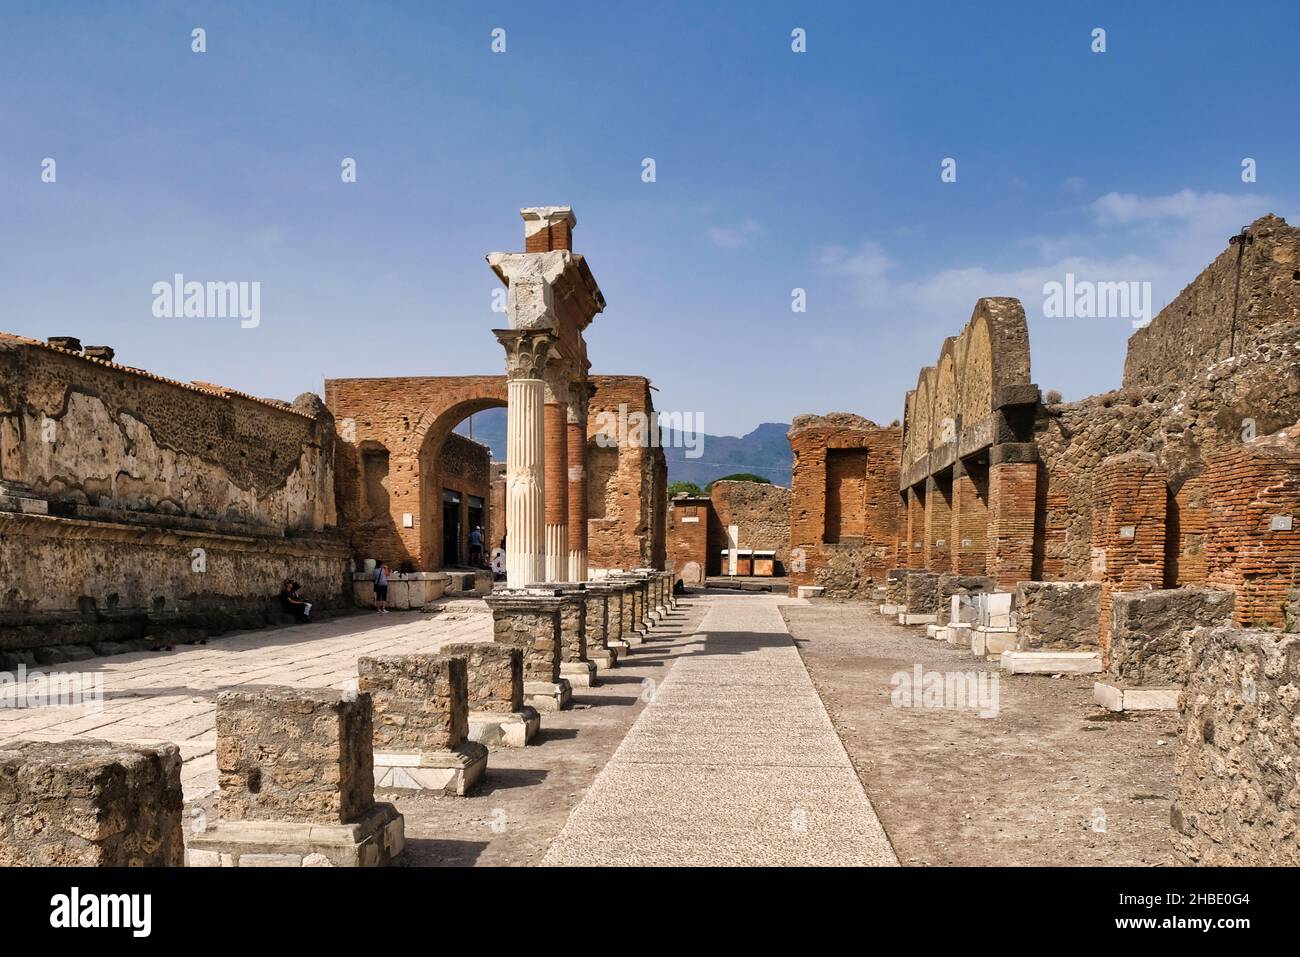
[(845, 479), (1253, 527), (688, 538), (761, 514)]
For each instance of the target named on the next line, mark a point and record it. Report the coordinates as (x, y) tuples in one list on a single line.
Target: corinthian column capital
[(528, 352)]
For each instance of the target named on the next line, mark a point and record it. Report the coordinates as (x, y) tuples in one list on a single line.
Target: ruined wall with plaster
[(142, 506)]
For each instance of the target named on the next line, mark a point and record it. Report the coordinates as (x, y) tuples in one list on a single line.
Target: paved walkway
[(152, 697), (734, 762)]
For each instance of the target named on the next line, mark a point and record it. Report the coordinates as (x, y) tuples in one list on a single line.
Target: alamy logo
[(53, 690), (1085, 299), (949, 690), (179, 299), (637, 430), (73, 910)]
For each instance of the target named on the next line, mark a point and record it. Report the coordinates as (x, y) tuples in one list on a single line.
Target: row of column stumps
[(306, 798)]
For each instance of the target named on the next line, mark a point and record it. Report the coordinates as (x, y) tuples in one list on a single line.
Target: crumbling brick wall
[(761, 514), (627, 488), (844, 504), (1238, 797)]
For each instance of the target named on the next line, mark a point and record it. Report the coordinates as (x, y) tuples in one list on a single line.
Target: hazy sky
[(774, 170)]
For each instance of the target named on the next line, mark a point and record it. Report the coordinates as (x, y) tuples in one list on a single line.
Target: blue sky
[(775, 170)]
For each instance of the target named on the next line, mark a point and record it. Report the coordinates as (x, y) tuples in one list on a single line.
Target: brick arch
[(922, 424), (411, 417)]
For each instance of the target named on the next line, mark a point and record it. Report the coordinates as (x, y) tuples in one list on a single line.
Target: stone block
[(810, 591), (294, 754), (531, 623), (420, 702), (1058, 615), (90, 804), (1238, 795), (921, 593), (1117, 697), (1051, 662), (453, 771), (1149, 630), (494, 675), (955, 595), (506, 730)]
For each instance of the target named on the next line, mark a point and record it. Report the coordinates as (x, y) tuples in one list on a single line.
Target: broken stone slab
[(959, 634), (812, 591), (932, 631), (453, 771), (89, 803), (991, 642), (579, 674), (890, 610), (512, 729), (908, 618), (373, 841), (1051, 662), (1117, 697), (548, 695)]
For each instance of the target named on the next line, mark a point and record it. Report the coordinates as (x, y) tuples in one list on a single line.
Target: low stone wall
[(1058, 615), (90, 804), (76, 581), (1238, 789), (1149, 631), (896, 586)]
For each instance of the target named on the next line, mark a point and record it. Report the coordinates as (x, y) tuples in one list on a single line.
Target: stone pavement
[(152, 697), (734, 762)]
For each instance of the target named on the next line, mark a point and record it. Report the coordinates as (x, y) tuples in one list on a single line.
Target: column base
[(454, 771), (604, 658), (579, 674), (547, 696), (373, 841), (510, 729)]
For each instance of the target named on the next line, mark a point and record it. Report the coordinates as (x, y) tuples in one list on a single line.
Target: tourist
[(476, 546), (381, 588), (292, 603)]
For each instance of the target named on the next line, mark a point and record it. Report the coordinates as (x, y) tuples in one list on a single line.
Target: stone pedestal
[(598, 618), (575, 666), (530, 621), (498, 716), (296, 772), (90, 804), (421, 723)]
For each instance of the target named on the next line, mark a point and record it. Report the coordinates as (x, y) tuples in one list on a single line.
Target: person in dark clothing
[(476, 546), (292, 603)]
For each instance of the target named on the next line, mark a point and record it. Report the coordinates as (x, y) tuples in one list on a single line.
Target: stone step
[(1051, 662), (1117, 697)]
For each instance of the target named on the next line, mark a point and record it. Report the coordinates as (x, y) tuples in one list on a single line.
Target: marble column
[(527, 353), (577, 442)]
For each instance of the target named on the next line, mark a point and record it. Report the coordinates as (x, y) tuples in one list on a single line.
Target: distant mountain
[(490, 429), (764, 451)]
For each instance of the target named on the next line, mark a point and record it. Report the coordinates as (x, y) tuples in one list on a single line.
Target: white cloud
[(733, 237)]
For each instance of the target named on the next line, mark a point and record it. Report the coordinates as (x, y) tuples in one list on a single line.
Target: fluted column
[(577, 427), (557, 485), (527, 353)]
